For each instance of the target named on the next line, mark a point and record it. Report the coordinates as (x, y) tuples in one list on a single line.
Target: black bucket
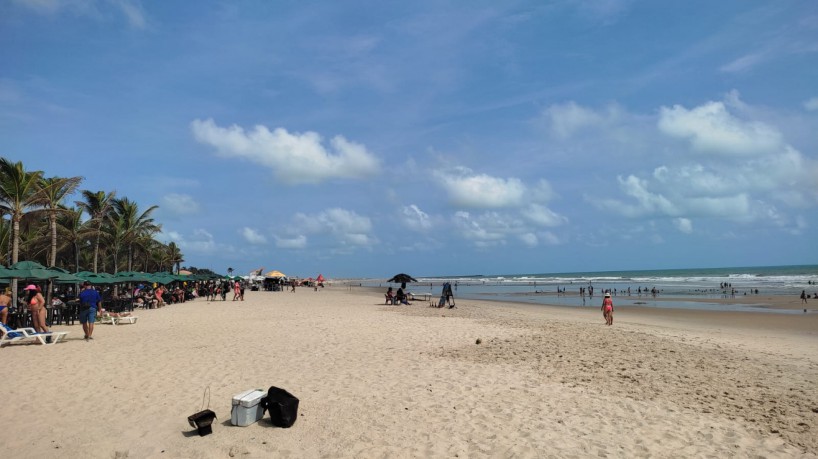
[(202, 422)]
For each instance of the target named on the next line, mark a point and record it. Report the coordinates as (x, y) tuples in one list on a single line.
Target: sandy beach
[(412, 381)]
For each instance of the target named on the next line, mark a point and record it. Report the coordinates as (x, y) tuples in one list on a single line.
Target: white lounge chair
[(21, 335), (106, 318), (125, 320)]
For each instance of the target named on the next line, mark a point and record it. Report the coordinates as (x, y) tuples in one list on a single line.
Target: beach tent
[(275, 274), (320, 278)]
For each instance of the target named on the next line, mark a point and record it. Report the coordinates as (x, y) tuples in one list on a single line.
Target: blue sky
[(364, 138)]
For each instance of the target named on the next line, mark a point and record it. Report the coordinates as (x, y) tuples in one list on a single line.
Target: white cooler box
[(247, 407)]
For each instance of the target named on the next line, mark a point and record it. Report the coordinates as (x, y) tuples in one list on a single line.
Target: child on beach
[(607, 309)]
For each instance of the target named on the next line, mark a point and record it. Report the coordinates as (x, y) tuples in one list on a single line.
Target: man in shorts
[(90, 300)]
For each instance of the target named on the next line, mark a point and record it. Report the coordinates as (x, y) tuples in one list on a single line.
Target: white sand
[(409, 381)]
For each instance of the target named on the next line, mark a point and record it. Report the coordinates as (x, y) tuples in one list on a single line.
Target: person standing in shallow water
[(607, 309)]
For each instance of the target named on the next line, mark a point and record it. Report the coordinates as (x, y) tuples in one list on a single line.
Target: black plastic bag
[(202, 422), (282, 405)]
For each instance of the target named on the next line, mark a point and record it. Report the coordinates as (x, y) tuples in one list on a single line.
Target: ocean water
[(702, 283)]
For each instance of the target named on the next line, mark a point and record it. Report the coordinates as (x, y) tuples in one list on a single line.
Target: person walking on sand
[(804, 296), (90, 300), (607, 309)]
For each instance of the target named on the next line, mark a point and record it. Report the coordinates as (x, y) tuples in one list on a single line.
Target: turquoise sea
[(699, 283)]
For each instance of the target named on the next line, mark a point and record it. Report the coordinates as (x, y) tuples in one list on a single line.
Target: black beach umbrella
[(402, 278)]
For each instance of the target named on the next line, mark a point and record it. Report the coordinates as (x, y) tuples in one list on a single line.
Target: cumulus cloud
[(486, 230), (345, 227), (415, 219), (515, 210), (200, 242), (684, 225), (711, 128), (490, 229), (252, 236), (297, 242), (566, 119), (180, 204), (293, 157), (543, 216), (483, 191), (529, 239)]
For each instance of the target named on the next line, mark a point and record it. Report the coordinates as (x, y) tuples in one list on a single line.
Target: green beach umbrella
[(31, 270), (97, 278), (132, 276), (63, 276)]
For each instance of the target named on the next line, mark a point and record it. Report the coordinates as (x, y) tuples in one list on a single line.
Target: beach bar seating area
[(121, 293)]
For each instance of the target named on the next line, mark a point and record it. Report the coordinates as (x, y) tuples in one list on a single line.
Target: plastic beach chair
[(11, 335)]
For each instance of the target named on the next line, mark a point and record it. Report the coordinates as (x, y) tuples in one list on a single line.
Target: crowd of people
[(119, 298)]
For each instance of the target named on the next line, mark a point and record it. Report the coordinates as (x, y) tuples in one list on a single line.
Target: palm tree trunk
[(52, 221), (96, 249), (15, 252)]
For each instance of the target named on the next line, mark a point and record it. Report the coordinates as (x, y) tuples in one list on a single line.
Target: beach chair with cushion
[(22, 335)]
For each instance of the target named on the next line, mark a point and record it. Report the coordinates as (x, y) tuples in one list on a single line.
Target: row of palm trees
[(99, 233)]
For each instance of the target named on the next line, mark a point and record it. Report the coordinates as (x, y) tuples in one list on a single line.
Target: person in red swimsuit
[(607, 309)]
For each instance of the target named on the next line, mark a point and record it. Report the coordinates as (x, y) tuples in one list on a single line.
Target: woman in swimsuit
[(5, 301), (36, 304), (607, 309)]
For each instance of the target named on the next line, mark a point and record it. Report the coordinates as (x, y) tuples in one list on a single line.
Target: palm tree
[(71, 232), (54, 190), (175, 256), (133, 225), (18, 196), (5, 240), (98, 207)]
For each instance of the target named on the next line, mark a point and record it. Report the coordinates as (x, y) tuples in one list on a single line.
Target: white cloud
[(711, 128), (293, 157), (566, 119), (132, 11), (180, 204), (482, 191), (252, 236), (743, 63), (345, 226), (97, 9), (415, 219), (529, 239), (811, 104), (543, 216), (484, 231), (298, 242), (200, 242), (684, 225)]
